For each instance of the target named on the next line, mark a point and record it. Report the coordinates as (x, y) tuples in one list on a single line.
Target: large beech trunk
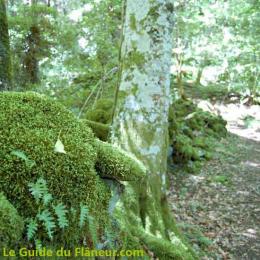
[(140, 124)]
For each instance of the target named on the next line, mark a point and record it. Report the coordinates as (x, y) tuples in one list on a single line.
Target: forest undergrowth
[(218, 208)]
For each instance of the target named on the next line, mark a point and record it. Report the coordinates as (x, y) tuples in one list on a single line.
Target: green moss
[(101, 112), (158, 233), (32, 124), (191, 131), (117, 164), (11, 224), (5, 60), (154, 12), (98, 115), (104, 104), (134, 58), (132, 22), (100, 130), (162, 248)]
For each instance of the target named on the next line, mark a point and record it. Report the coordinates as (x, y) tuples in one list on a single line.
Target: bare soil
[(219, 209)]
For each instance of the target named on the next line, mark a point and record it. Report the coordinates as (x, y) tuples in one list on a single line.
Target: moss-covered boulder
[(39, 138), (11, 224), (192, 131)]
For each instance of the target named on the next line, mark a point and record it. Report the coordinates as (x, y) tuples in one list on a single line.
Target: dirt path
[(219, 208)]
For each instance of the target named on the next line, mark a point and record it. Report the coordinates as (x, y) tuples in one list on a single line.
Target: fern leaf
[(38, 244), (47, 198), (20, 154), (93, 230), (61, 212), (48, 221), (83, 215), (31, 228), (38, 189)]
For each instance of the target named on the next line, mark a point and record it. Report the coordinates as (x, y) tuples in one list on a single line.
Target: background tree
[(141, 122), (5, 61), (219, 46), (32, 37)]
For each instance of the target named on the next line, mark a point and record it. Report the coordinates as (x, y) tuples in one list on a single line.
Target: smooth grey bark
[(140, 124)]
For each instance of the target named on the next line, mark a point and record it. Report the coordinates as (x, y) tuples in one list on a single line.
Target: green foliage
[(32, 228), (83, 215), (54, 219), (61, 212), (48, 221), (11, 224), (43, 198), (39, 191), (29, 163), (191, 131), (86, 218), (218, 45), (32, 40), (73, 68), (222, 179)]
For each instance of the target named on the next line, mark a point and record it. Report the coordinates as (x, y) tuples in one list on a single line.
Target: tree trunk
[(32, 49), (31, 63), (140, 126), (5, 60), (199, 75)]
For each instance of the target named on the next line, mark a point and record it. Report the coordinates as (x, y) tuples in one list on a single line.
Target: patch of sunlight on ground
[(237, 117), (251, 164)]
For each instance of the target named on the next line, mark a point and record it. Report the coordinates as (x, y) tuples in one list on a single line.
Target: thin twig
[(112, 71)]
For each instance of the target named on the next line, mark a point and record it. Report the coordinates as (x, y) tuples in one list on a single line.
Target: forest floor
[(218, 209)]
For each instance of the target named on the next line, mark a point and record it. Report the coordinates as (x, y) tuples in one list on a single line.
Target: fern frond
[(38, 189), (47, 198), (61, 212), (48, 221), (92, 229), (110, 237), (83, 215), (31, 228), (38, 244)]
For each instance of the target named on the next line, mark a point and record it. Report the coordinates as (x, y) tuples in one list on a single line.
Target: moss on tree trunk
[(141, 124), (31, 63), (5, 60)]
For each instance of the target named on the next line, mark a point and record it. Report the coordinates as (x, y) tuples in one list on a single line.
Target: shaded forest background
[(69, 49)]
